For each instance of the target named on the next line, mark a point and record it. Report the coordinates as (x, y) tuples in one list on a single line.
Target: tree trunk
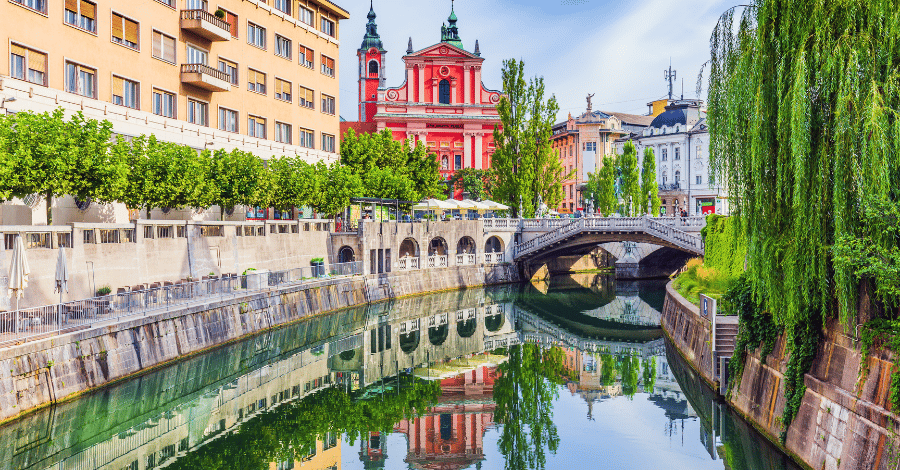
[(49, 200)]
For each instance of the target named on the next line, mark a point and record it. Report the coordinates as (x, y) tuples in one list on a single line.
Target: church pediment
[(444, 50)]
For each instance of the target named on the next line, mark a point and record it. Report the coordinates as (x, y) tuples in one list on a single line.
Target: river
[(574, 373)]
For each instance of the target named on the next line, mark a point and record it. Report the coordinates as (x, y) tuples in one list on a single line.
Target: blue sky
[(614, 49)]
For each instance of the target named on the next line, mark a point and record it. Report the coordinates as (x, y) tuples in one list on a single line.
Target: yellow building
[(327, 456), (259, 75)]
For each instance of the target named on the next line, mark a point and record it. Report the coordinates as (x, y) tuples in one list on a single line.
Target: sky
[(616, 50)]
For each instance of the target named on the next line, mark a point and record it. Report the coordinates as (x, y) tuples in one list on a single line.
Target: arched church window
[(444, 92), (373, 67)]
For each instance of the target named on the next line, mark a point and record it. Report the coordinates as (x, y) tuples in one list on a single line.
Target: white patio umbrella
[(479, 206), (18, 271), (432, 204), (496, 206)]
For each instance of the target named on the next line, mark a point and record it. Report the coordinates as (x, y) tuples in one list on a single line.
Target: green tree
[(240, 178), (601, 187), (292, 183), (473, 182), (524, 162), (363, 154), (630, 178), (338, 184), (385, 183), (649, 185)]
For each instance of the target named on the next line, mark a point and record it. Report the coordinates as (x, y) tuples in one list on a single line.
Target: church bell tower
[(371, 69)]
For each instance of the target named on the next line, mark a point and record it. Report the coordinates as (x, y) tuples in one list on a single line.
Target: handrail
[(204, 69), (204, 15)]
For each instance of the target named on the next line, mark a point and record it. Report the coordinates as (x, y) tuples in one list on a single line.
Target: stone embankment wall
[(690, 332), (53, 369), (843, 423)]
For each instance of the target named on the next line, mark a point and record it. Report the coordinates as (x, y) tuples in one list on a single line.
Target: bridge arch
[(409, 342), (465, 246), (346, 254), (438, 334), (409, 247), (437, 247), (493, 245)]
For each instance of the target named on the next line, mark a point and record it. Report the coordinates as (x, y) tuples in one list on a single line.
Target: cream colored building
[(263, 78)]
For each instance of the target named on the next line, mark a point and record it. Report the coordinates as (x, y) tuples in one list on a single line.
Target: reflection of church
[(450, 435)]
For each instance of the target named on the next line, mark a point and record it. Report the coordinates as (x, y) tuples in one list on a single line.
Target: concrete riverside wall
[(841, 424), (690, 333), (54, 369)]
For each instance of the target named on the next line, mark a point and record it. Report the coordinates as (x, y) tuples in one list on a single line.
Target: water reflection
[(514, 377)]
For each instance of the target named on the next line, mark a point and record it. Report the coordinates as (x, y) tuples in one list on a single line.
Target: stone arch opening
[(437, 334), (444, 92), (409, 342), (346, 255), (493, 245), (466, 246), (409, 247), (493, 323), (373, 67), (437, 247), (466, 328)]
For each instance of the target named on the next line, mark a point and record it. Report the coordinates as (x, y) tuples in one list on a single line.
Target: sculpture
[(589, 101)]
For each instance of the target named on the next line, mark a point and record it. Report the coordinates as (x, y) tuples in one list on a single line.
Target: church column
[(453, 94), (434, 91), (467, 150), (466, 84), (477, 84), (421, 72), (479, 153)]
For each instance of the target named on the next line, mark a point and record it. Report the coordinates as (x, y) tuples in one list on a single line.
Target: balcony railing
[(670, 187), (465, 259), (493, 258), (204, 23), (204, 76)]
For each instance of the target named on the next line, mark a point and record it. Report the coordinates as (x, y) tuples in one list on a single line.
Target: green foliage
[(524, 162), (875, 333), (474, 182), (804, 125), (240, 178), (166, 174), (631, 180), (338, 184), (725, 246), (698, 278), (802, 341), (292, 183), (756, 327), (649, 185), (601, 187), (289, 432)]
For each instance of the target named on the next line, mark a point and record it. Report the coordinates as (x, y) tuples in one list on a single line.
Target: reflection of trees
[(289, 432), (528, 384), (649, 374), (628, 368)]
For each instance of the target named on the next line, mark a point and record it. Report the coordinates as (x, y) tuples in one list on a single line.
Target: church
[(442, 102)]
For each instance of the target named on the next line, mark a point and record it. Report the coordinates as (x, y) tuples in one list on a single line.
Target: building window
[(282, 90), (327, 26), (195, 5), (328, 66), (677, 177), (373, 67), (164, 103), (26, 64), (590, 146), (444, 92), (283, 47), (36, 5), (283, 6), (306, 97), (195, 55), (327, 104), (125, 92), (677, 153), (163, 47), (306, 138), (256, 127), (198, 113), (699, 179), (256, 35), (458, 163), (699, 152), (665, 154), (228, 120), (81, 80), (232, 20), (125, 31), (283, 133), (82, 14), (306, 56), (256, 81), (305, 15), (328, 143), (230, 68)]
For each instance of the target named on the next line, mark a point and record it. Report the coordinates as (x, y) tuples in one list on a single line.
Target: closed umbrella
[(18, 271), (62, 279)]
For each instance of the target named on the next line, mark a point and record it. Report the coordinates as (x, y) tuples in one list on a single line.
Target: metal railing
[(205, 70), (38, 322), (204, 15)]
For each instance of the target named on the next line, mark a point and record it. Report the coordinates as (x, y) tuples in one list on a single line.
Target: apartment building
[(259, 75)]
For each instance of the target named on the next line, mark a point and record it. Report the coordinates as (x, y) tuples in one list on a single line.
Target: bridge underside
[(587, 242)]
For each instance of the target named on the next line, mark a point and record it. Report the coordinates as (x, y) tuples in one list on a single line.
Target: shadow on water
[(464, 379)]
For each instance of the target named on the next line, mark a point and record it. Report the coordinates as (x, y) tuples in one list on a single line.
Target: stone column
[(453, 94), (467, 149), (421, 90), (479, 153), (477, 84), (466, 83)]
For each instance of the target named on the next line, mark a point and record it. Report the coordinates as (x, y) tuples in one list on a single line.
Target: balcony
[(204, 76), (205, 24)]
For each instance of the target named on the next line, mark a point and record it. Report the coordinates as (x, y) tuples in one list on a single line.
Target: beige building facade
[(258, 75)]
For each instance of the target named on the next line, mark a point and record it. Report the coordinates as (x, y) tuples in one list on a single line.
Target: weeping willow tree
[(803, 117)]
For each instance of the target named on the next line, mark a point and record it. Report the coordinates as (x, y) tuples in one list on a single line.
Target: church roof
[(685, 112), (450, 34), (372, 38)]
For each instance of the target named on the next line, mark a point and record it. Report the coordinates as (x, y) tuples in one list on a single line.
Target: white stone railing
[(501, 224), (437, 261), (493, 258), (466, 259), (407, 263)]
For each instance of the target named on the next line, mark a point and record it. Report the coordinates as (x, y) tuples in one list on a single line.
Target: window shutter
[(157, 45), (72, 5), (117, 26), (231, 19), (18, 50), (37, 61), (261, 77), (118, 86), (168, 45), (251, 76), (88, 10), (131, 31)]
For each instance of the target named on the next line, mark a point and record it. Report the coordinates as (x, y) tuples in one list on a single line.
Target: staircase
[(725, 338)]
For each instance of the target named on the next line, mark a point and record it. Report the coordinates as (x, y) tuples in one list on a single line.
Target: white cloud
[(615, 49)]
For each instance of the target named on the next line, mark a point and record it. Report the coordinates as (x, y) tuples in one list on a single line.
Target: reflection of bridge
[(590, 232), (630, 310)]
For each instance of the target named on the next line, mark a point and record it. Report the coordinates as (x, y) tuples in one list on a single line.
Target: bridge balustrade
[(437, 261)]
